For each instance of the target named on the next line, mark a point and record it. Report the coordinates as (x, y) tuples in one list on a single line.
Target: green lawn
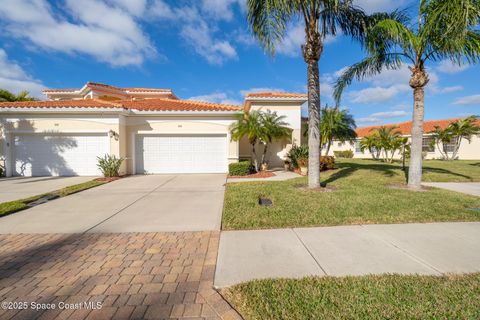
[(368, 297), (17, 205), (366, 191)]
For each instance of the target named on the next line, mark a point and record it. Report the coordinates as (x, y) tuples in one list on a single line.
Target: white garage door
[(59, 155), (180, 154)]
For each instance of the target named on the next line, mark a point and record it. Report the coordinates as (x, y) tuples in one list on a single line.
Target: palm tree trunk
[(264, 155), (329, 144), (254, 156), (415, 168), (313, 125)]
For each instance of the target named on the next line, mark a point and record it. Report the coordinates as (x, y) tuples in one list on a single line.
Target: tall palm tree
[(336, 124), (249, 124), (441, 30), (7, 96), (269, 20), (274, 128)]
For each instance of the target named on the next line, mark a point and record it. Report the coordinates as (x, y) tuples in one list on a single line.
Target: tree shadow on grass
[(477, 164), (387, 169)]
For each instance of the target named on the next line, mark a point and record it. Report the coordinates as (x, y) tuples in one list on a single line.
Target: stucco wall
[(467, 151), (278, 150)]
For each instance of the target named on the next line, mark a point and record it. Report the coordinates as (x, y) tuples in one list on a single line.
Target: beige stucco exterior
[(119, 127), (467, 151), (277, 152)]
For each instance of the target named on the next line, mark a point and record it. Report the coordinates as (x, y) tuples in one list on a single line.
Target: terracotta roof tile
[(102, 85), (142, 105), (87, 103), (175, 105), (405, 128), (275, 95)]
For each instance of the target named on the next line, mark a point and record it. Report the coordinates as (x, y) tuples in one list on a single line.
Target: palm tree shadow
[(477, 164)]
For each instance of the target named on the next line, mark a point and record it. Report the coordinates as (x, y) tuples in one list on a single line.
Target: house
[(152, 129), (467, 150)]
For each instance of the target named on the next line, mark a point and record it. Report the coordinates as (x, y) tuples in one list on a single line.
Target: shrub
[(343, 154), (297, 152), (109, 165), (242, 168), (327, 163)]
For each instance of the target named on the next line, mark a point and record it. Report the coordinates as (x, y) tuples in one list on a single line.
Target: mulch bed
[(261, 174)]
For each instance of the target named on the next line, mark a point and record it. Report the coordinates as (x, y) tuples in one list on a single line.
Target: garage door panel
[(58, 155), (181, 154)]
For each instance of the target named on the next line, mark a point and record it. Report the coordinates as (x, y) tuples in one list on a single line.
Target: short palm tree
[(389, 139), (441, 30), (269, 20), (7, 96), (249, 125), (372, 144), (336, 124), (274, 128), (454, 134)]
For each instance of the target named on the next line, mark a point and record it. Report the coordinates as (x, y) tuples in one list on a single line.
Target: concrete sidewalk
[(472, 188), (432, 248)]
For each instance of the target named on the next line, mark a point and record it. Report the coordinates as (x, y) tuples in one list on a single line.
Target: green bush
[(109, 165), (327, 163), (343, 154), (296, 153), (242, 168)]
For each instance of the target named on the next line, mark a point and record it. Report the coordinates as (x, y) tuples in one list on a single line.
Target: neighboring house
[(151, 128), (467, 151)]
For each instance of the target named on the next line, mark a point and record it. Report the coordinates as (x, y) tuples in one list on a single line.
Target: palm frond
[(369, 66)]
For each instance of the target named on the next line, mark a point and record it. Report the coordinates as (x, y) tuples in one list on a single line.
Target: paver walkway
[(472, 188), (431, 248), (132, 275)]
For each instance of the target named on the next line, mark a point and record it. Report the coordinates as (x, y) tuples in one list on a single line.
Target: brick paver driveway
[(132, 275)]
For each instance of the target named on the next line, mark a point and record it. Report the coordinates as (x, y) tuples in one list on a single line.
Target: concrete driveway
[(472, 188), (135, 204), (21, 188)]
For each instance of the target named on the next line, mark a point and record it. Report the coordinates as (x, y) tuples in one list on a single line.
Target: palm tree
[(274, 127), (269, 19), (249, 125), (372, 144), (336, 124), (389, 139), (442, 30), (7, 96), (454, 134)]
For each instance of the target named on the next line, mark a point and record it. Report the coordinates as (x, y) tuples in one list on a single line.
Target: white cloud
[(468, 100), (15, 79), (216, 97), (161, 10), (377, 94), (447, 66), (221, 9), (378, 117), (371, 6), (108, 33), (135, 7)]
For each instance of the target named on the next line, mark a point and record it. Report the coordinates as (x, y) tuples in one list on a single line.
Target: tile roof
[(275, 95), (141, 105), (107, 86), (405, 128), (175, 105)]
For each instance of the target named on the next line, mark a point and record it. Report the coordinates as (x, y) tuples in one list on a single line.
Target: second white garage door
[(180, 154)]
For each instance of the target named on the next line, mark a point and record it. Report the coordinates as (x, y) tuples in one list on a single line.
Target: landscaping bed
[(260, 174), (367, 297), (18, 205), (362, 194)]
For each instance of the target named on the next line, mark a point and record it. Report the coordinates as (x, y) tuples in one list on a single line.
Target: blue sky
[(202, 50)]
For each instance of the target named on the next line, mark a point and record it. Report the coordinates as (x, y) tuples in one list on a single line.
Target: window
[(357, 147), (340, 144), (428, 145), (450, 147)]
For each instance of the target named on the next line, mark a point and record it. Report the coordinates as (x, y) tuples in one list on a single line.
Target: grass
[(18, 205), (368, 297), (363, 195)]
